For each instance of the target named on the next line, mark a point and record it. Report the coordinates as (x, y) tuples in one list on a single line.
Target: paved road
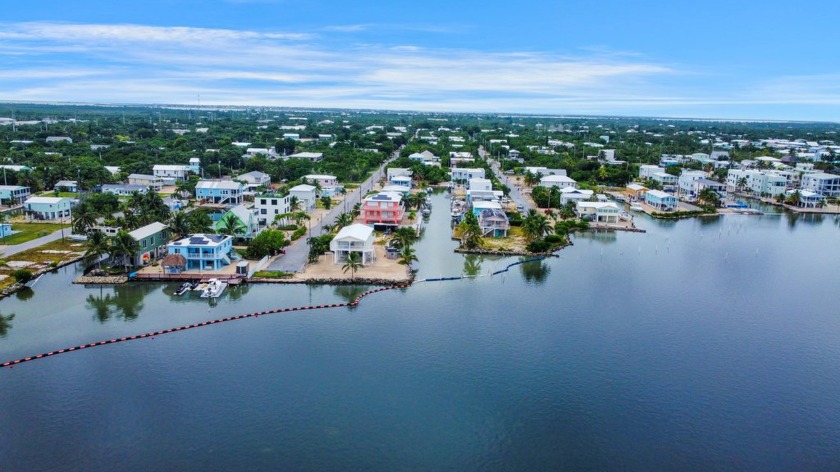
[(298, 253), (515, 194), (16, 248)]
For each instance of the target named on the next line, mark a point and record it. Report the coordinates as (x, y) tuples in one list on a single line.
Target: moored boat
[(214, 288)]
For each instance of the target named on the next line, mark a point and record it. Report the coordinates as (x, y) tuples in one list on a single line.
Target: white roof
[(45, 200), (143, 176), (557, 178), (65, 183), (357, 231), (147, 230), (308, 155), (636, 187), (319, 177), (576, 190), (255, 174), (486, 205), (597, 205), (223, 184), (659, 194), (170, 167), (385, 197), (302, 188)]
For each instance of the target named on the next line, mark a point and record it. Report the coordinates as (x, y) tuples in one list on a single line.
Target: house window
[(274, 202), (263, 200), (263, 211)]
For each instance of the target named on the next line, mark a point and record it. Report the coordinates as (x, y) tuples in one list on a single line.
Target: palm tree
[(709, 196), (231, 225), (352, 263), (96, 246), (200, 222), (180, 224), (535, 226), (83, 219), (344, 219), (407, 256), (124, 247), (471, 235), (294, 203), (742, 182), (403, 237)]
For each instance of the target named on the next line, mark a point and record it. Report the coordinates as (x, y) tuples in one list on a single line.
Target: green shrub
[(555, 239), (22, 275), (298, 233), (539, 245)]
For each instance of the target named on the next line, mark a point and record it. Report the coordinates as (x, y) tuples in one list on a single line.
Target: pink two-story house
[(383, 208)]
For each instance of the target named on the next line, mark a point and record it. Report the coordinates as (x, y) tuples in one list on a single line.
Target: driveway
[(298, 253), (16, 248)]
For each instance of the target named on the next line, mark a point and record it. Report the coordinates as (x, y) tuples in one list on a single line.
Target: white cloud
[(140, 64)]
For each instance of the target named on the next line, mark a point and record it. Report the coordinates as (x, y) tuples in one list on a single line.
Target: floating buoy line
[(152, 334)]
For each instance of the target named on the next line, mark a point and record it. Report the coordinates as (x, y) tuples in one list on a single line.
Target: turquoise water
[(701, 344)]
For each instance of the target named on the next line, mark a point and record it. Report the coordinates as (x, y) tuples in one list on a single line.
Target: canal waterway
[(709, 343)]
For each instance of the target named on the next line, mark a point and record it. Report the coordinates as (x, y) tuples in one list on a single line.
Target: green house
[(151, 240)]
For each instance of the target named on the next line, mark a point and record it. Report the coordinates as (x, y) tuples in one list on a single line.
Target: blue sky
[(715, 59)]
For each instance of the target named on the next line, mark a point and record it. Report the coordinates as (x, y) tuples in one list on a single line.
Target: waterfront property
[(13, 194), (203, 251), (354, 238), (660, 200), (761, 183), (713, 185), (151, 242), (47, 208), (267, 206), (305, 195), (221, 192), (599, 212), (636, 192), (150, 181), (383, 208), (686, 180), (822, 183), (492, 219), (807, 198)]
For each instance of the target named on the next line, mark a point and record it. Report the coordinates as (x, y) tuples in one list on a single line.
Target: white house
[(124, 190), (153, 182), (665, 179), (398, 172), (600, 212), (559, 181), (544, 171), (305, 196), (646, 171), (328, 183), (255, 179), (826, 184), (270, 153), (268, 206), (171, 173), (571, 194), (687, 178), (356, 238), (467, 173), (479, 184)]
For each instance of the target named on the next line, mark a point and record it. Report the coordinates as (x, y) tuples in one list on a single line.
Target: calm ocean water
[(702, 344)]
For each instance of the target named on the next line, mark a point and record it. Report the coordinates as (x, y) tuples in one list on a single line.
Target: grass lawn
[(60, 194), (29, 231), (38, 256)]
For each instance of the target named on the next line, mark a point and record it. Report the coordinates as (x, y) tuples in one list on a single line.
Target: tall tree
[(352, 263)]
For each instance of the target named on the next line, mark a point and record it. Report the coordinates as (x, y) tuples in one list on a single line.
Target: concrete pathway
[(16, 248), (298, 253)]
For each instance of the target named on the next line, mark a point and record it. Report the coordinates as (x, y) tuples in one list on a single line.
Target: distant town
[(216, 196)]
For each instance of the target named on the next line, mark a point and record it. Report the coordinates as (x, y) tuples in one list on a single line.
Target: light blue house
[(47, 208), (222, 192), (13, 194), (203, 251), (660, 200)]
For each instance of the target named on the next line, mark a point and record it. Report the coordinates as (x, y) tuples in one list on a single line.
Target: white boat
[(427, 212), (214, 288), (636, 207)]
